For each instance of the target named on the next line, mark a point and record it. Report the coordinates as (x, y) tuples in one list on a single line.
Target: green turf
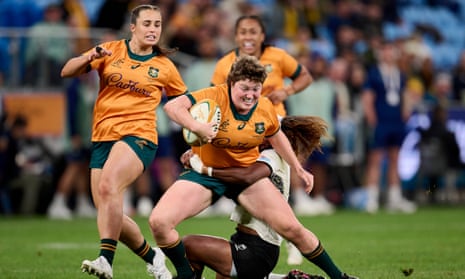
[(431, 242)]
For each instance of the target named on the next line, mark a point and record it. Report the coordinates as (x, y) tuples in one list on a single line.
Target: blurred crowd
[(337, 40)]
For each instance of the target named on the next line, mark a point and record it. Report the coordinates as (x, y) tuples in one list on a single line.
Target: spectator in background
[(458, 80), (301, 42), (48, 48), (182, 28), (368, 17), (382, 103), (426, 72), (413, 97), (343, 112), (419, 56), (368, 57), (5, 58), (313, 14), (284, 20), (440, 158), (442, 89), (80, 98), (319, 99), (13, 134), (77, 18), (346, 122), (24, 162), (355, 82), (345, 43), (341, 15)]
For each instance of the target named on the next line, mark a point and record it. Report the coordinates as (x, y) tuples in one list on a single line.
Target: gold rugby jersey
[(239, 136), (131, 87)]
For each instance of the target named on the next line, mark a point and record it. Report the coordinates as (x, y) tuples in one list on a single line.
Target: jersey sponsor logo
[(153, 72), (226, 143), (135, 66), (116, 80), (141, 143), (224, 126), (240, 247), (242, 125), (268, 68), (259, 128), (117, 63)]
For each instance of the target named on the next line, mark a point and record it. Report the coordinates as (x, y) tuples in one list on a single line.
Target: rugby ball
[(205, 111)]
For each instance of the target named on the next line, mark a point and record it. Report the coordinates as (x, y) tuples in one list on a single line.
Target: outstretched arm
[(79, 65), (243, 176)]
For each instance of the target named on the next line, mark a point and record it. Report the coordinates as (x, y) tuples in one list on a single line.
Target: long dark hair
[(304, 133), (135, 15)]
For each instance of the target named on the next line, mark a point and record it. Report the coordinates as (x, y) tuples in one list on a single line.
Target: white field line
[(67, 246)]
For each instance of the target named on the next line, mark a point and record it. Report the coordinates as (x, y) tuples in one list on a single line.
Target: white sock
[(394, 193), (373, 191), (59, 199), (83, 200)]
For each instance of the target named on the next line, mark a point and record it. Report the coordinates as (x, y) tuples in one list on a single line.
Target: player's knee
[(106, 191), (292, 230), (159, 225)]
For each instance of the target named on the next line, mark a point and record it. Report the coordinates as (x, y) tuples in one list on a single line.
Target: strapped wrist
[(207, 170)]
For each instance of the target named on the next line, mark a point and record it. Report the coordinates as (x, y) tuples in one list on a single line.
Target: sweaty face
[(249, 37), (245, 94), (147, 29)]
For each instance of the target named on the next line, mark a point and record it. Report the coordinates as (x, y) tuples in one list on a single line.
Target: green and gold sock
[(146, 252), (108, 248), (320, 258), (177, 254)]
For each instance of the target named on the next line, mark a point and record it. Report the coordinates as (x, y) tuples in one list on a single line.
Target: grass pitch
[(430, 243)]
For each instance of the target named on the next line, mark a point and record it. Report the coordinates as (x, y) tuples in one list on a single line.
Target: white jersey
[(280, 177)]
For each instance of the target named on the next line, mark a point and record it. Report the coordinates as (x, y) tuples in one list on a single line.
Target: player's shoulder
[(272, 50), (115, 45), (228, 57), (264, 103)]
